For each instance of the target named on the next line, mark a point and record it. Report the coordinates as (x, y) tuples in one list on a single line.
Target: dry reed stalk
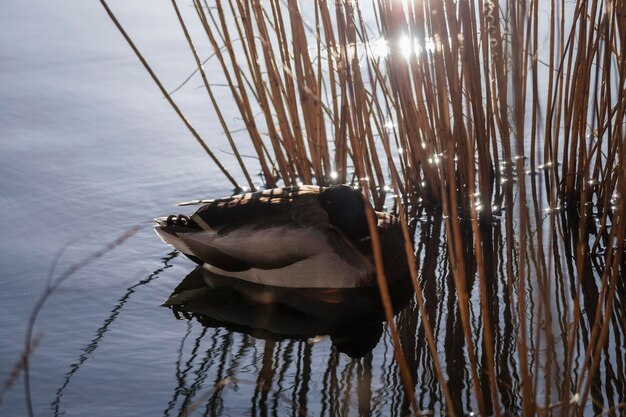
[(169, 98), (52, 284), (251, 14), (209, 91), (360, 166), (283, 92), (461, 99), (237, 86), (386, 300), (419, 296), (543, 279), (516, 19)]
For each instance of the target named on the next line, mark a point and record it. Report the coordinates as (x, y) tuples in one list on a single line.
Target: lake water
[(89, 148)]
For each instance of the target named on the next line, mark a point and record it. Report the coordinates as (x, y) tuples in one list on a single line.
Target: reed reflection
[(257, 352), (564, 301), (87, 352), (284, 324)]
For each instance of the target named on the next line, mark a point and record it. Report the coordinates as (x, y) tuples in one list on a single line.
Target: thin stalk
[(209, 91), (167, 96)]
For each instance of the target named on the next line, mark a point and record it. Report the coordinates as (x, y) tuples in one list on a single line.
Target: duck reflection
[(352, 317)]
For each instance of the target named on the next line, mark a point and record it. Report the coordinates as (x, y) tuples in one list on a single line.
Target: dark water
[(89, 148)]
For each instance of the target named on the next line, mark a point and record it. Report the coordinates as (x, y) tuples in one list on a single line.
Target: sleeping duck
[(294, 237)]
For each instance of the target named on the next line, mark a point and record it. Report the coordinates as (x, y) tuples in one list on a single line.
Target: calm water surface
[(88, 148)]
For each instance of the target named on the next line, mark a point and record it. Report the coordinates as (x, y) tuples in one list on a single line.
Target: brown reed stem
[(209, 91), (168, 97), (386, 300)]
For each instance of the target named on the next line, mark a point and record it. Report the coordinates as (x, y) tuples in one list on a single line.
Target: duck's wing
[(267, 229), (286, 256), (237, 218), (279, 237)]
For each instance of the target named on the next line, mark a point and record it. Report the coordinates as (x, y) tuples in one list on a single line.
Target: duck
[(291, 237)]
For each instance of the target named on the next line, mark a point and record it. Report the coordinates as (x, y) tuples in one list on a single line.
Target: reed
[(492, 115)]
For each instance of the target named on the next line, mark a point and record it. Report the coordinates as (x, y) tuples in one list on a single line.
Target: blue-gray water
[(88, 148)]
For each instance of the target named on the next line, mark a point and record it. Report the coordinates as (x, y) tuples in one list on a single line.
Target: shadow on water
[(289, 322), (248, 349), (351, 317)]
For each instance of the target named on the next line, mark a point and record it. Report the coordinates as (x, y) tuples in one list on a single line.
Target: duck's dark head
[(346, 210)]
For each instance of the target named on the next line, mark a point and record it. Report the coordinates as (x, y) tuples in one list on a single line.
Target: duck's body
[(298, 237)]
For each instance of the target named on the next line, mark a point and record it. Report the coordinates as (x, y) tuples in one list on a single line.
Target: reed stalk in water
[(493, 115)]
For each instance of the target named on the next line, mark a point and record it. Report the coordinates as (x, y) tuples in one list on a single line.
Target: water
[(89, 148)]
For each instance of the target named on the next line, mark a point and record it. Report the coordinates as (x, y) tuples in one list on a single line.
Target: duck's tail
[(169, 228)]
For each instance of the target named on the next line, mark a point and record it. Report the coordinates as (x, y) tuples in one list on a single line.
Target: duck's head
[(346, 210)]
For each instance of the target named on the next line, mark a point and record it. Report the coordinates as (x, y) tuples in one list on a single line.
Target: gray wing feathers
[(288, 256)]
